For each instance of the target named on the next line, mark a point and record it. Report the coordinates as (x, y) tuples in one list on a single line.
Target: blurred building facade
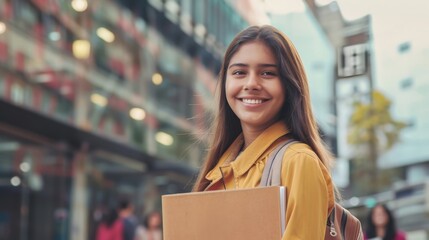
[(102, 100), (352, 43), (402, 62), (391, 60)]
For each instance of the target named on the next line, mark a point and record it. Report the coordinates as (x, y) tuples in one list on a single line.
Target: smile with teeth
[(252, 101)]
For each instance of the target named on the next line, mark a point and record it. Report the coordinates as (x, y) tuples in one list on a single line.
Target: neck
[(249, 135), (381, 231)]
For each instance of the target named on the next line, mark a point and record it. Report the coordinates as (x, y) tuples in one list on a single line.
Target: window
[(17, 93), (352, 60), (404, 47), (407, 83)]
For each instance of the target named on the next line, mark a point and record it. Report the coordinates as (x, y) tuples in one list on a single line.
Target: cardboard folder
[(243, 214)]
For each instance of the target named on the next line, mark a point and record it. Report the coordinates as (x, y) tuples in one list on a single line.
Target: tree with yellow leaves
[(372, 131)]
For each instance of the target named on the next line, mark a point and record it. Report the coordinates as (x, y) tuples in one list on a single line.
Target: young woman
[(381, 225), (110, 227), (151, 229), (264, 99)]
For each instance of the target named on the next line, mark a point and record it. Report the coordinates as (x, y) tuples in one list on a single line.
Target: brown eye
[(238, 72), (269, 73)]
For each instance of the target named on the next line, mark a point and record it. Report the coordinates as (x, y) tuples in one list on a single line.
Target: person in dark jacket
[(129, 221)]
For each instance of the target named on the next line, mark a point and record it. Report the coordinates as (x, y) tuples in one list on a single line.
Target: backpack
[(341, 224)]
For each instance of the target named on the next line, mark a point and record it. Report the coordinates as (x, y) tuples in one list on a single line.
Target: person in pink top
[(381, 225), (110, 228)]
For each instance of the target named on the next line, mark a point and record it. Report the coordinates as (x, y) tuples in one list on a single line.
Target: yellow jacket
[(310, 193)]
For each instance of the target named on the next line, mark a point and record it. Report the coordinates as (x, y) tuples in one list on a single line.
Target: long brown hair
[(296, 111)]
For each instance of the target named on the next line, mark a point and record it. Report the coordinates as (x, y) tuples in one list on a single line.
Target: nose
[(252, 82)]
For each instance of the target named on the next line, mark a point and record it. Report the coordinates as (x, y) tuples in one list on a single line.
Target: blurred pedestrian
[(129, 220), (264, 100), (110, 227), (151, 228), (381, 225)]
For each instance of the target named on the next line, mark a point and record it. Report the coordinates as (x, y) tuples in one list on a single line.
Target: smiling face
[(253, 87)]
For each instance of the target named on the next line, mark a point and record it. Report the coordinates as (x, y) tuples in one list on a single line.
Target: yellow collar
[(251, 154)]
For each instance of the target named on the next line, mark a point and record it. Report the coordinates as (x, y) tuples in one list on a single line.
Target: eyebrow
[(246, 65)]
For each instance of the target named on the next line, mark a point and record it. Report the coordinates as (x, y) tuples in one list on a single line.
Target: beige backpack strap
[(341, 224), (272, 170)]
